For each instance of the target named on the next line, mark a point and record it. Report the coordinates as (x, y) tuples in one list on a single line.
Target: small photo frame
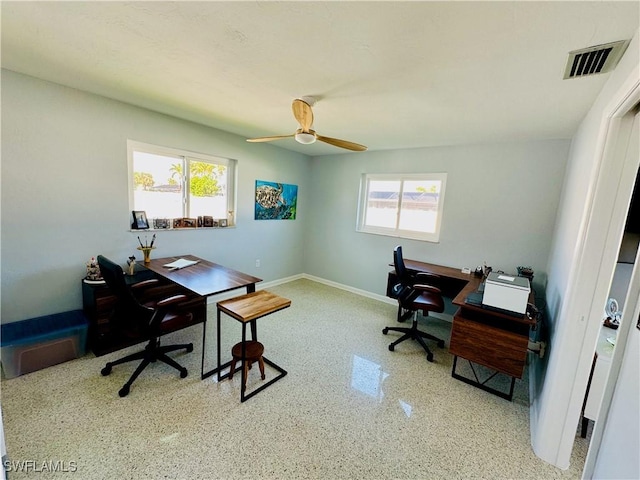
[(161, 223), (207, 221), (140, 221), (222, 222), (185, 222)]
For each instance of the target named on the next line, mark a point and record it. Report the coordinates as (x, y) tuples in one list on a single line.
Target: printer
[(506, 292)]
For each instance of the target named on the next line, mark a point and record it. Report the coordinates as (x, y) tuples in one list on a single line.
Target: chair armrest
[(427, 288), (171, 301), (145, 284)]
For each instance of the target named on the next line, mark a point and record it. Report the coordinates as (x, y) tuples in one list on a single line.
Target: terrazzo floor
[(348, 409)]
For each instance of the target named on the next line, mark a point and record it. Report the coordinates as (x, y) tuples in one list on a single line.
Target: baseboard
[(348, 288)]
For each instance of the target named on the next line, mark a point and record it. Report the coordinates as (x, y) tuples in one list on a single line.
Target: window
[(408, 206), (169, 183)]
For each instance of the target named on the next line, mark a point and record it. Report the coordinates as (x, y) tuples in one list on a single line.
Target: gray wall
[(65, 194), (500, 207), (65, 199)]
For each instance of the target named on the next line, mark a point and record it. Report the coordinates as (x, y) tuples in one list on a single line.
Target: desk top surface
[(471, 286), (204, 278)]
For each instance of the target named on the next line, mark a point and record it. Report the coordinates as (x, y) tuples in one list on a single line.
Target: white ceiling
[(387, 74)]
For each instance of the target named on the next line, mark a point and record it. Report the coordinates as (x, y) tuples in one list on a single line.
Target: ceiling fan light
[(305, 138)]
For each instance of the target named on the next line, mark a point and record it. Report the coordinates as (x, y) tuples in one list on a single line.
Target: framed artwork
[(222, 222), (275, 201), (140, 221), (207, 221)]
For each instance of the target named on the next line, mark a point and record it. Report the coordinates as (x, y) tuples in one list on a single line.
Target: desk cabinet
[(98, 304), (485, 340)]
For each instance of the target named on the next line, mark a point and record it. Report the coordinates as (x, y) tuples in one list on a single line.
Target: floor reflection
[(367, 377), (406, 407)]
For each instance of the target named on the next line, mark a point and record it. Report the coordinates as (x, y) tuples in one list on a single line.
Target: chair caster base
[(430, 357), (441, 344), (190, 348), (106, 370), (124, 391), (385, 331), (391, 347), (183, 373)]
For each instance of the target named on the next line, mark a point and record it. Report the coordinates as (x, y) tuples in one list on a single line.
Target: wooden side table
[(247, 309)]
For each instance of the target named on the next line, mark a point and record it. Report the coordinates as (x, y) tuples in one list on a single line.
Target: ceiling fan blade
[(356, 147), (303, 113), (269, 139)]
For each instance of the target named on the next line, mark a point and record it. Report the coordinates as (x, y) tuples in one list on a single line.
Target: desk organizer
[(37, 343)]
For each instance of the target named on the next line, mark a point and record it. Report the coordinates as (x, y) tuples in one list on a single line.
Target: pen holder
[(146, 251)]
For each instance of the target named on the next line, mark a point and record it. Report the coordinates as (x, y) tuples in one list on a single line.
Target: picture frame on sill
[(140, 221), (161, 223), (207, 221), (222, 222), (185, 222), (189, 222)]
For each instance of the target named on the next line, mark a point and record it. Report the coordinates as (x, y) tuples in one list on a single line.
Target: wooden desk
[(497, 340), (205, 279)]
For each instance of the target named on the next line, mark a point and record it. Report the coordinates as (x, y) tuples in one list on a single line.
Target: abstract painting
[(276, 201)]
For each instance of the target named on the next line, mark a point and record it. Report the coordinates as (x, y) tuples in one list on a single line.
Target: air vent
[(594, 60)]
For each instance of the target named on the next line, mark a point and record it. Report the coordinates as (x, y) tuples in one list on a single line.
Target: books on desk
[(180, 263)]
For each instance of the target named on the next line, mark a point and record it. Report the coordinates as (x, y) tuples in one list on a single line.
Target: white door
[(615, 443)]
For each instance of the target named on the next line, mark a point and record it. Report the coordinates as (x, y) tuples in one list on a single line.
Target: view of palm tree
[(158, 182)]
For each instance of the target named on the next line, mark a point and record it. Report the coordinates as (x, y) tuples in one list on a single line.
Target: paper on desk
[(180, 263)]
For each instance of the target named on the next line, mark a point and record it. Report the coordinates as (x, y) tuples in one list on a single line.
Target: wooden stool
[(247, 309), (254, 351)]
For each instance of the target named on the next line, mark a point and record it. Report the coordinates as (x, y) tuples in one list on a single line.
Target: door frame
[(628, 323), (598, 248)]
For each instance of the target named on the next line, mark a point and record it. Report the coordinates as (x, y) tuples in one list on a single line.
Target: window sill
[(154, 230), (396, 234)]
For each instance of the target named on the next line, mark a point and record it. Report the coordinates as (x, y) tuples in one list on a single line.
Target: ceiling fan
[(305, 135)]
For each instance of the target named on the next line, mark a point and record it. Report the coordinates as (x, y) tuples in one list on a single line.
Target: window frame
[(363, 198), (186, 156)]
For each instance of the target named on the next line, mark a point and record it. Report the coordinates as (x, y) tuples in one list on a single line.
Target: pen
[(140, 241), (153, 239)]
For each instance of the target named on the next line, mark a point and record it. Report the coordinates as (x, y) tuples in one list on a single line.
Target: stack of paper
[(180, 263)]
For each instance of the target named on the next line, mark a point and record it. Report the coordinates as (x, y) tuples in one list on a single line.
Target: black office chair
[(146, 321), (414, 293)]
